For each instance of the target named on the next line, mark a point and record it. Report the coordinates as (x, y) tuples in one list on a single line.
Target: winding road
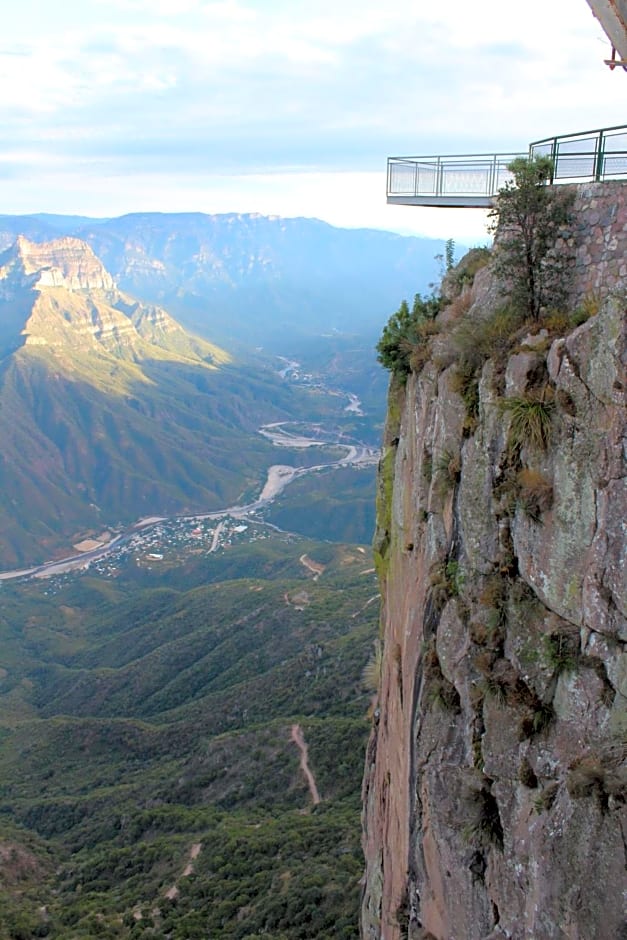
[(278, 477)]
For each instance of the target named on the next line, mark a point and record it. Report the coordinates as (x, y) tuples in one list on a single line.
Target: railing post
[(493, 177), (599, 158), (555, 154), (416, 180), (438, 177)]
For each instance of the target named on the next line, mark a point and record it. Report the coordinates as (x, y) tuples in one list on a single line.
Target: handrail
[(475, 179), (451, 176), (589, 155)]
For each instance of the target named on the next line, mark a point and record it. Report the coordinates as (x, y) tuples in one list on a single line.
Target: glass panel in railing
[(402, 179), (577, 145), (503, 175), (466, 179), (574, 167), (427, 179), (614, 142), (615, 165), (542, 150)]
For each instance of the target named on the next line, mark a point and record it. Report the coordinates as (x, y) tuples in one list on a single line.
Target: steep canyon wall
[(494, 788)]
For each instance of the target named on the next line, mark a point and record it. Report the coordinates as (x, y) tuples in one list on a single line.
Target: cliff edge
[(494, 788)]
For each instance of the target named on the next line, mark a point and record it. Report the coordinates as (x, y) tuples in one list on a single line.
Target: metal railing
[(589, 156), (472, 175), (475, 179)]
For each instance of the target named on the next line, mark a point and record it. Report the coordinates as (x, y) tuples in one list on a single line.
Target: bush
[(530, 216), (535, 493), (405, 333), (478, 339), (530, 420)]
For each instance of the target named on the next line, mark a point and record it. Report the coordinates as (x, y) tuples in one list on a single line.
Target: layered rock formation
[(494, 790), (64, 262), (59, 294)]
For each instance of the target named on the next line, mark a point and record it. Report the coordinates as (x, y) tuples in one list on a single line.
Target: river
[(278, 476)]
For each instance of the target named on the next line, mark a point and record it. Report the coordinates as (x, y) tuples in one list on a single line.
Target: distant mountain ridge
[(249, 277)]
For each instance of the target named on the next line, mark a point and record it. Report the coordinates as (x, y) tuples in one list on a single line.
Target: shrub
[(589, 307), (544, 801), (446, 581), (371, 675), (478, 339), (465, 382), (586, 778), (538, 720), (530, 420), (598, 775), (530, 216), (462, 275), (440, 693), (405, 333), (486, 829), (526, 774), (561, 652), (535, 493), (448, 467)]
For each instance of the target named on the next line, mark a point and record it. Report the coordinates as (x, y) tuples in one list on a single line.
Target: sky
[(284, 107)]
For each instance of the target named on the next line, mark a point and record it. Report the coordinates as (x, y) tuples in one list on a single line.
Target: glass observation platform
[(467, 180)]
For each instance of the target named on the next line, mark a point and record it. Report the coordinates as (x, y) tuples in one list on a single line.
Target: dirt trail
[(194, 852), (314, 566), (297, 737), (216, 536)]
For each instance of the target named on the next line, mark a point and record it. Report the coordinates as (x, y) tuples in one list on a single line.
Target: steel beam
[(612, 15)]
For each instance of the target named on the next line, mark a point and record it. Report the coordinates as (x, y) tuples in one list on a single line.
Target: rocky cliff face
[(494, 790), (64, 262), (59, 294)]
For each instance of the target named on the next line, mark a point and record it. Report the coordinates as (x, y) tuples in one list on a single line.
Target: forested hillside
[(150, 778)]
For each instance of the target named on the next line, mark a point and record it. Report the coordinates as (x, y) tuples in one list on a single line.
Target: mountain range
[(109, 409), (250, 278), (138, 359), (151, 709)]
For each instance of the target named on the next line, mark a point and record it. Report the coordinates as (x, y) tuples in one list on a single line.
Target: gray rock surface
[(494, 789)]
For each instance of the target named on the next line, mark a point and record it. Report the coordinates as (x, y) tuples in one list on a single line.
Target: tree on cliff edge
[(529, 215)]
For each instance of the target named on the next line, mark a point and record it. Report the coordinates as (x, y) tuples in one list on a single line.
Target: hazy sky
[(285, 107)]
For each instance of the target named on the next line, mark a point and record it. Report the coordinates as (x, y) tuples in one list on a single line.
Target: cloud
[(257, 88)]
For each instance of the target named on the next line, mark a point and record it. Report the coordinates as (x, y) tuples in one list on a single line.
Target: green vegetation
[(448, 466), (530, 260), (486, 829), (561, 652), (446, 581), (406, 335), (530, 420), (80, 459), (530, 216), (335, 504), (150, 714), (543, 803), (462, 275), (137, 418)]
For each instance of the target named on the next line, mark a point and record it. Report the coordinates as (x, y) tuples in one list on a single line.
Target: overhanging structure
[(464, 180), (473, 180), (612, 15)]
